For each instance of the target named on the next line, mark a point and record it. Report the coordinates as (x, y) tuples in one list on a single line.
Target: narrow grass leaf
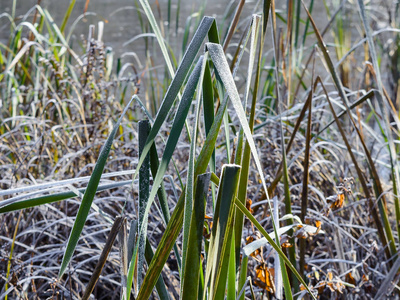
[(163, 251), (103, 256), (89, 195), (67, 15), (191, 269), (144, 190), (233, 24), (306, 176), (177, 82), (176, 221), (220, 241), (10, 256), (176, 129), (208, 106), (190, 181), (245, 155), (27, 203), (242, 277), (162, 195), (221, 65), (231, 278), (149, 13), (160, 284)]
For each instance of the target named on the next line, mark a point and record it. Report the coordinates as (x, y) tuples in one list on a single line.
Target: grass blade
[(245, 158), (204, 28), (221, 65), (221, 237), (162, 195), (233, 24), (160, 284), (27, 203), (242, 277), (176, 221), (67, 15), (208, 106), (144, 189), (149, 13), (306, 176), (190, 274), (190, 187), (103, 256), (163, 250), (89, 195), (11, 254), (176, 128)]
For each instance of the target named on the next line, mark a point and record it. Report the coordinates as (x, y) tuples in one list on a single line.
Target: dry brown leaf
[(248, 206), (249, 240), (350, 279), (265, 278)]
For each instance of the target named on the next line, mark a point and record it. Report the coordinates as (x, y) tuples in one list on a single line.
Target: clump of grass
[(264, 178)]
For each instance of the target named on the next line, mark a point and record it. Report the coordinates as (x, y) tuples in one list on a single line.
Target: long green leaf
[(204, 28), (176, 129), (163, 250), (175, 224), (89, 195), (27, 203), (149, 13), (190, 274), (190, 173), (242, 277), (245, 157), (144, 190), (222, 68), (162, 195), (160, 285), (67, 15), (220, 242)]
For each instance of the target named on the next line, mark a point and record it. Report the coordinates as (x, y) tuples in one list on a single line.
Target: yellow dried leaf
[(330, 276), (265, 278), (350, 279)]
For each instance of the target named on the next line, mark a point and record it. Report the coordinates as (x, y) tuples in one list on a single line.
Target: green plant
[(266, 181)]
